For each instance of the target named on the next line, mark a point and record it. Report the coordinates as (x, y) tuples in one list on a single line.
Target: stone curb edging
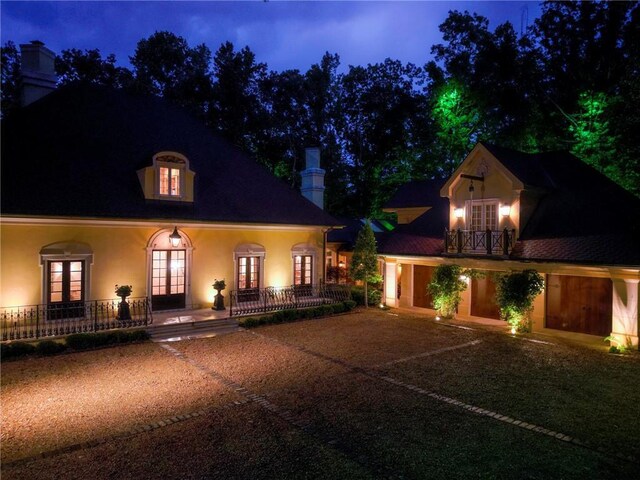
[(134, 431), (452, 401), (284, 414), (428, 354)]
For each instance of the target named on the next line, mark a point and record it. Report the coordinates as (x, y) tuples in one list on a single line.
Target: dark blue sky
[(282, 34)]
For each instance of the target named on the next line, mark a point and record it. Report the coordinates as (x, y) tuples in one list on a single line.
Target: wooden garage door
[(421, 278), (483, 298), (579, 304)]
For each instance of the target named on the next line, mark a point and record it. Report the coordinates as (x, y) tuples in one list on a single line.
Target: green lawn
[(342, 397)]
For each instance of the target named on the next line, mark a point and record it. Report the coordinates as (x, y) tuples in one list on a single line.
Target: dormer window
[(170, 181), (169, 178)]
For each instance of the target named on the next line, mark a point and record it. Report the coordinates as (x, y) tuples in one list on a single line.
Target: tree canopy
[(571, 81)]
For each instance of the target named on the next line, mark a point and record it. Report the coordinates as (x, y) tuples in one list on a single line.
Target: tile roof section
[(75, 153)]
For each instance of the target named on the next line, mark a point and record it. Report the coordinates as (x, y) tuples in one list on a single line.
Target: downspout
[(324, 253)]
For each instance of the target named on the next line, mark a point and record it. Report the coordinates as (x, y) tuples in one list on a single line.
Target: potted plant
[(123, 291), (218, 303)]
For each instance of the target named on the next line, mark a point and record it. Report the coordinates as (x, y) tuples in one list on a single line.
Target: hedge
[(76, 342), (374, 296), (285, 316)]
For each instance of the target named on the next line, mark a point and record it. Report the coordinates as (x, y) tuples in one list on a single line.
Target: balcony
[(479, 242)]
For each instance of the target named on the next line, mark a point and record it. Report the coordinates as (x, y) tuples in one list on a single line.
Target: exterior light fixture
[(513, 330), (459, 212), (341, 264), (505, 210), (471, 187), (175, 237), (463, 278), (437, 317)]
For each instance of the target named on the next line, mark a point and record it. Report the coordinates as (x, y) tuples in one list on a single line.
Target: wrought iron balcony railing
[(36, 321), (269, 299), (483, 242)]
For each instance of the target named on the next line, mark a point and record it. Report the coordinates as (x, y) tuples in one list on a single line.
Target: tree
[(364, 263), (457, 121), (167, 66), (10, 87), (75, 65), (237, 109)]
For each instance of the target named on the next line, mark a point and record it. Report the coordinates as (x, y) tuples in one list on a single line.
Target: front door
[(168, 279), (65, 289)]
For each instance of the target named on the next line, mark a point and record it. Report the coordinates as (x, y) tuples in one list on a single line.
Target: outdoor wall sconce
[(505, 210), (175, 237), (459, 212), (341, 264)]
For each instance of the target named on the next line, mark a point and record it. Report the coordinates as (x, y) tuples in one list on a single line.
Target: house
[(103, 187), (504, 210)]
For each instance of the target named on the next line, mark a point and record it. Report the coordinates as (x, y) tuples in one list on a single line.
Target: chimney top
[(313, 178), (38, 71)]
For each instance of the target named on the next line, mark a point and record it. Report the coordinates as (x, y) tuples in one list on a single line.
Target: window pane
[(56, 297), (164, 181), (175, 182), (76, 267)]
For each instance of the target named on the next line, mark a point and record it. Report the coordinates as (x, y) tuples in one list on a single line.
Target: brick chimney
[(313, 178), (38, 72)]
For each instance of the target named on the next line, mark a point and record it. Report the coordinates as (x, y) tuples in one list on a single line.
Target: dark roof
[(419, 193), (349, 233), (76, 152)]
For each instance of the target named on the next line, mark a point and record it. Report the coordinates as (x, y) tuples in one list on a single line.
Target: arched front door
[(169, 271)]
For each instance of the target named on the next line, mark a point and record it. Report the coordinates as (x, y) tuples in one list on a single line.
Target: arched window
[(169, 271), (66, 276), (304, 261), (248, 259)]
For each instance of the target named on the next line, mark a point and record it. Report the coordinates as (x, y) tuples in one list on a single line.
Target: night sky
[(285, 35)]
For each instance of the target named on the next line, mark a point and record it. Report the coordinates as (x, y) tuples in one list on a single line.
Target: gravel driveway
[(367, 395)]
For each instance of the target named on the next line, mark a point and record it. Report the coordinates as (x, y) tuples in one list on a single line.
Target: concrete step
[(200, 329)]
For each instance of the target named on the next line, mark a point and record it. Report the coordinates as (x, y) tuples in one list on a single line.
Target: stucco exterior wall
[(120, 256)]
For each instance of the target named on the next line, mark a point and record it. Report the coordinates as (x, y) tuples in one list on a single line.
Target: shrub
[(338, 308), (515, 293), (80, 341), (325, 310), (446, 287), (50, 347), (349, 305), (16, 349), (85, 341), (357, 295), (249, 322)]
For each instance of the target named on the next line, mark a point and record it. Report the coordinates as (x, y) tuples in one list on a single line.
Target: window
[(302, 269), (248, 272), (66, 281), (484, 215), (170, 181)]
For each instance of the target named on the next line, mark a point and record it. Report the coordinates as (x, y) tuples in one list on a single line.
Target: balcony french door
[(65, 289), (168, 279), (248, 278)]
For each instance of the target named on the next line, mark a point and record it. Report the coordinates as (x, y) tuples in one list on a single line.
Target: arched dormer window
[(169, 178)]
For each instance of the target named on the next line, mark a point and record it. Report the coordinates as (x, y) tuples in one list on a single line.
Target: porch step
[(188, 330)]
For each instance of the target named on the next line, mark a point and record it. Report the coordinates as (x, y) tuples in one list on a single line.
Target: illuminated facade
[(504, 211)]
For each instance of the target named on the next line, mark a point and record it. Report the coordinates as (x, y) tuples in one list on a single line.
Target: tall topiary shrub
[(446, 287), (364, 263), (515, 293)]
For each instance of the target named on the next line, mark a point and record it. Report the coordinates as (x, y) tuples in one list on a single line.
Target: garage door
[(421, 278), (579, 304), (483, 298)]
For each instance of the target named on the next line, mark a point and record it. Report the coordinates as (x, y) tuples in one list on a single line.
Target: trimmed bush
[(85, 341), (374, 296), (16, 349), (50, 347), (349, 305)]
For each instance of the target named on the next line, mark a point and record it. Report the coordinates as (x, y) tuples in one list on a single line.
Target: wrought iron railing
[(487, 242), (269, 299), (36, 321)]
